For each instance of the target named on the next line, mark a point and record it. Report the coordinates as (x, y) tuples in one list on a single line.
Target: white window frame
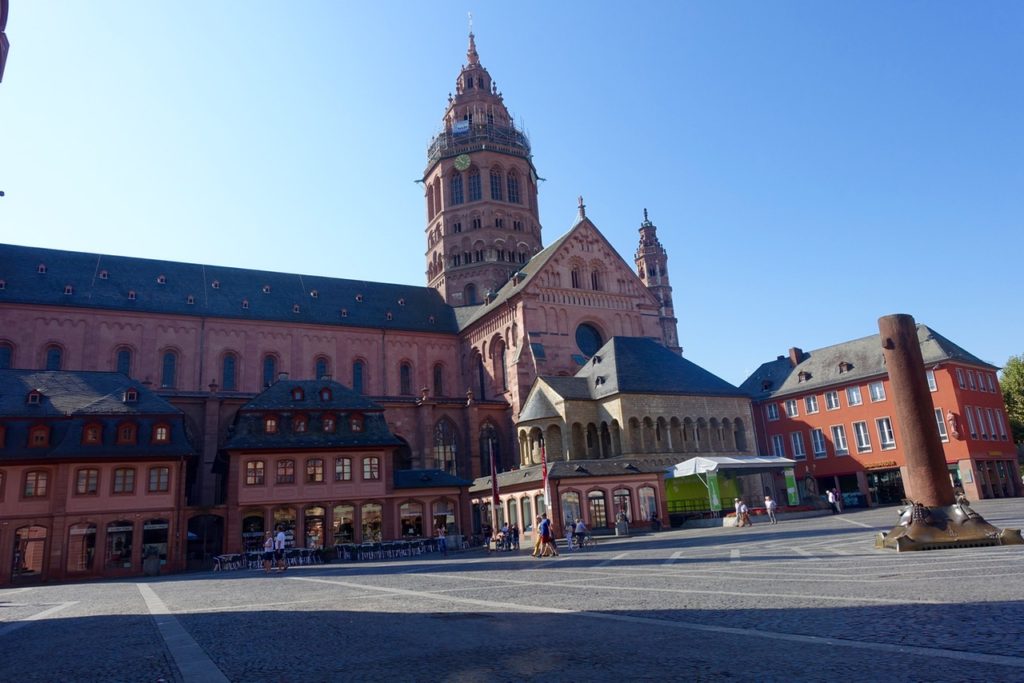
[(772, 411), (960, 378), (886, 437), (941, 424), (992, 383), (811, 404), (853, 397), (779, 445), (970, 381), (981, 424), (797, 440), (839, 443), (972, 429), (860, 429), (818, 444), (1002, 424), (832, 400), (792, 408), (876, 391), (991, 422), (932, 384)]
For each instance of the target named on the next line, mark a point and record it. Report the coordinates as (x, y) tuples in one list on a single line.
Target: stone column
[(915, 414)]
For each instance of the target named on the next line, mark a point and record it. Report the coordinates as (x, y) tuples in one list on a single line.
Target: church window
[(595, 280), (467, 257), (228, 371), (54, 357), (456, 227), (474, 185), (477, 224), (470, 294), (358, 368), (499, 222), (269, 370), (445, 445), (322, 368), (588, 339), (169, 369), (513, 188), (517, 226), (6, 355), (469, 83), (575, 277), (124, 361), (438, 380), (496, 185), (405, 379), (457, 260), (455, 189)]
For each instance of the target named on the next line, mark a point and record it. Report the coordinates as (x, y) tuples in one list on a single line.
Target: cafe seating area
[(344, 552), (385, 550)]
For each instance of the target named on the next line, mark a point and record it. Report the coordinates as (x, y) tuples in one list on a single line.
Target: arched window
[(269, 370), (438, 380), (622, 503), (357, 376), (575, 277), (405, 379), (54, 357), (372, 520), (124, 361), (411, 516), (81, 547), (6, 356), (455, 189), (648, 503), (445, 443), (470, 294), (229, 371), (598, 511), (571, 509), (474, 184), (323, 368), (595, 280), (513, 188), (495, 184), (169, 369)]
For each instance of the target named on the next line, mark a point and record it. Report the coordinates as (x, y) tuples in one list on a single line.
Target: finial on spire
[(471, 55), (583, 207), (645, 214)]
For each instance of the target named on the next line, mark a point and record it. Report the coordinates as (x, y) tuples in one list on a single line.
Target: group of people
[(575, 534), (743, 512), (273, 550), (544, 540), (507, 537)]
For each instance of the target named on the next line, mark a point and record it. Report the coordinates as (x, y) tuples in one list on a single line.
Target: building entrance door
[(886, 487)]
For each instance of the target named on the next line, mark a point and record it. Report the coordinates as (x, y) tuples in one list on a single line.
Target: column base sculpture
[(944, 527)]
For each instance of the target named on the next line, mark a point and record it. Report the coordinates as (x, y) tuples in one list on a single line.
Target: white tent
[(740, 464)]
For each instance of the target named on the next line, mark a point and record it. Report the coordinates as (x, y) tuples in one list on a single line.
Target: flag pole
[(494, 488)]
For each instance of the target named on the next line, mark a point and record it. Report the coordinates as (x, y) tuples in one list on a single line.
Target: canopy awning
[(741, 464)]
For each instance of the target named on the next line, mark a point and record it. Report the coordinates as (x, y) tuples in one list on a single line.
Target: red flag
[(495, 498)]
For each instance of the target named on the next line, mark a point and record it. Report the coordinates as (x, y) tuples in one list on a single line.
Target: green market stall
[(695, 488)]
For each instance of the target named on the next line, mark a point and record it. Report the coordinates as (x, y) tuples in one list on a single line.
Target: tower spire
[(652, 266), (471, 54)]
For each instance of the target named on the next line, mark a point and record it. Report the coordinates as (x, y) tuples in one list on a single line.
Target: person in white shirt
[(769, 506), (279, 543), (580, 532)]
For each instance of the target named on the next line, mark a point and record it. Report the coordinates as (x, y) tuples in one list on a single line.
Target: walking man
[(769, 506)]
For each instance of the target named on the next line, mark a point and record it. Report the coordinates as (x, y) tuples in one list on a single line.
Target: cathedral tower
[(481, 192), (652, 267)]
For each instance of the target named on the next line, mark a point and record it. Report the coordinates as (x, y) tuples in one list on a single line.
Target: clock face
[(462, 162)]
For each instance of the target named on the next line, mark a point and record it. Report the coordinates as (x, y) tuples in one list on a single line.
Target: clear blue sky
[(810, 166)]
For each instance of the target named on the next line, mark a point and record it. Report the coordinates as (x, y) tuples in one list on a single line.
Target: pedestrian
[(745, 514), (580, 533), (769, 506), (268, 552), (655, 523), (442, 541), (548, 547), (537, 538), (569, 526), (279, 543), (839, 499), (739, 511), (831, 493), (514, 530)]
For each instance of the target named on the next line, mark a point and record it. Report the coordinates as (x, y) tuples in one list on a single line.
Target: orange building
[(831, 411)]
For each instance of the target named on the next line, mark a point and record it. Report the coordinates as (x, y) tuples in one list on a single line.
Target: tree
[(1012, 382)]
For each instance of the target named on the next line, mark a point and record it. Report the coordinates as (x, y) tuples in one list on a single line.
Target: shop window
[(254, 471), (87, 482), (596, 505), (343, 523), (371, 468), (285, 471), (621, 502), (120, 538), (29, 552), (571, 509), (372, 520), (159, 479), (252, 533), (81, 548), (411, 516), (314, 516), (154, 539), (648, 503), (284, 520), (124, 480), (443, 516)]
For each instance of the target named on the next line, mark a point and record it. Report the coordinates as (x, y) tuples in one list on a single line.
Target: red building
[(92, 476), (830, 409)]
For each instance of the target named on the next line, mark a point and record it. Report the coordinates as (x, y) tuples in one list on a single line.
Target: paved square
[(804, 600)]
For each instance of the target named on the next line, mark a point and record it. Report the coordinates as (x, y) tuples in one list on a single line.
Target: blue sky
[(810, 166)]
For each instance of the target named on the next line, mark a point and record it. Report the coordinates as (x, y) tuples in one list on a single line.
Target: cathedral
[(345, 410)]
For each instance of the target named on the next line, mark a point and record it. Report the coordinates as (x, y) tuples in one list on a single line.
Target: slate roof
[(71, 400), (864, 356), (425, 479), (419, 309), (567, 470), (248, 431)]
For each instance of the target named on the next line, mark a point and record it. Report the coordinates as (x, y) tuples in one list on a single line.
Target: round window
[(588, 339)]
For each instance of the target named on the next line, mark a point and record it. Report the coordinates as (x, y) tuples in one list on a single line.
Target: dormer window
[(315, 294), (598, 381), (330, 424), (356, 422), (190, 300), (69, 290), (297, 394), (131, 396), (92, 434), (215, 284), (299, 424), (325, 394), (104, 275), (803, 376), (245, 304), (266, 289), (161, 279), (430, 319), (161, 433), (401, 302), (295, 308), (270, 425), (344, 313), (34, 398), (41, 269), (359, 298), (126, 434), (388, 315), (131, 295), (3, 284), (39, 436), (766, 385), (844, 367)]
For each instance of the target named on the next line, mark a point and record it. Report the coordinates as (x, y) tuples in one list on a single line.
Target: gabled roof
[(572, 469), (215, 291), (65, 393), (862, 358)]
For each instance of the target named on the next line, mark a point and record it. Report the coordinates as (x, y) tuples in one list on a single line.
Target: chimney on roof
[(281, 376), (795, 356)]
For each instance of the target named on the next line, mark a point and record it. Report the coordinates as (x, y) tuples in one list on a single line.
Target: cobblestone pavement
[(806, 600)]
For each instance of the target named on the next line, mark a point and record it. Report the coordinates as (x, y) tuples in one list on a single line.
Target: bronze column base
[(944, 527)]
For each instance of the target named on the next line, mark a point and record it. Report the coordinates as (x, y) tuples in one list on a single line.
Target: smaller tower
[(652, 267)]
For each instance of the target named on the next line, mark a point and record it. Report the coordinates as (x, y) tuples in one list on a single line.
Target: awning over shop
[(739, 464)]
